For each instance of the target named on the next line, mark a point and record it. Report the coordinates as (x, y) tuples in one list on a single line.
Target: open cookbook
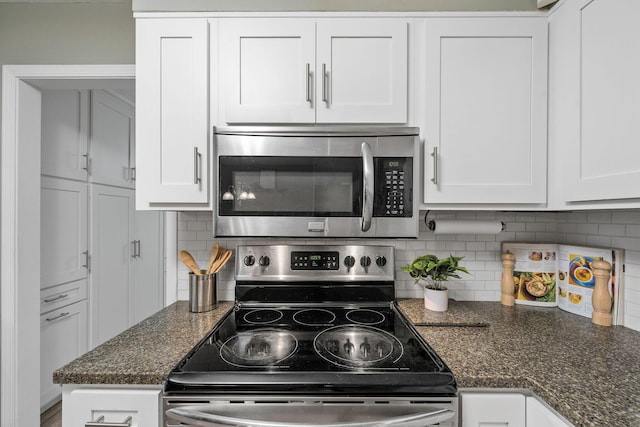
[(554, 275)]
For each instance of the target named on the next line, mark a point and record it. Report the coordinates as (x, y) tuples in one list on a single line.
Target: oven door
[(294, 186), (352, 412)]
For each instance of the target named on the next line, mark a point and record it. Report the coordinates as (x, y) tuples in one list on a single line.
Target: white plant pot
[(436, 300)]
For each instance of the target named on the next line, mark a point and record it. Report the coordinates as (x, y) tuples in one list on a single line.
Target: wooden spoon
[(221, 262), (188, 260), (214, 255)]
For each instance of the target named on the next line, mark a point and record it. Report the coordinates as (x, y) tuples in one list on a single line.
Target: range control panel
[(314, 260), (315, 263)]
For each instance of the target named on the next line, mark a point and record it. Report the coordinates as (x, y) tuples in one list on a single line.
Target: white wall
[(619, 229)]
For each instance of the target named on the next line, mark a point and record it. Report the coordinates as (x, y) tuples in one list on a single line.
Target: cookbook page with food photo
[(534, 273), (550, 275), (576, 281)]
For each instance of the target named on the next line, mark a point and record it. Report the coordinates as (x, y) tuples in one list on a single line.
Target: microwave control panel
[(394, 198)]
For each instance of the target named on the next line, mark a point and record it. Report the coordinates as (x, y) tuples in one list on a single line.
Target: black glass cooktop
[(368, 350)]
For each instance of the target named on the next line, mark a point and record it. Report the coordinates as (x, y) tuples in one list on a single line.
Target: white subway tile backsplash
[(620, 229)]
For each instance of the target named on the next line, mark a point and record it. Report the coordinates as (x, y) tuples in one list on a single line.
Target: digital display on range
[(314, 260)]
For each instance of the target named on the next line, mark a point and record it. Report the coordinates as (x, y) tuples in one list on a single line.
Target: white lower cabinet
[(540, 415), (82, 404), (63, 337), (506, 408), (493, 410)]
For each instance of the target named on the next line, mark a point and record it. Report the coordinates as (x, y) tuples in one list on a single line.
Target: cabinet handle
[(308, 82), (100, 422), (87, 260), (87, 163), (196, 166), (135, 252), (59, 316), (56, 298), (434, 154), (132, 173), (325, 94)]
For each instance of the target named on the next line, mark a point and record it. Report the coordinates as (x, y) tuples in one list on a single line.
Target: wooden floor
[(52, 417)]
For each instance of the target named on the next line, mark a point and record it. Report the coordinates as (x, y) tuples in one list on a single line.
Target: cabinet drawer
[(62, 295), (87, 403)]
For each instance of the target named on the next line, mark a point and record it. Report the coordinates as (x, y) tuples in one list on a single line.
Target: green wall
[(66, 33)]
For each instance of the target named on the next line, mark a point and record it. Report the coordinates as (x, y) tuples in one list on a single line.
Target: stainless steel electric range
[(315, 339)]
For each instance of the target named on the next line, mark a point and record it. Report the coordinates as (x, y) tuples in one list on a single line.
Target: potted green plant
[(433, 271)]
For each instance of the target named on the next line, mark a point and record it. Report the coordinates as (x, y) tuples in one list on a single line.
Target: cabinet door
[(63, 337), (64, 133), (603, 151), (486, 103), (147, 263), (538, 415), (362, 71), (493, 409), (111, 142), (172, 130), (63, 231), (111, 250), (83, 405), (269, 70)]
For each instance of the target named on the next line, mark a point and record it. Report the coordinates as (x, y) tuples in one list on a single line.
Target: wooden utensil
[(215, 249), (188, 260), (221, 262)]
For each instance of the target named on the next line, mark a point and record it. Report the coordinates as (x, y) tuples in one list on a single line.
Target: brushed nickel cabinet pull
[(196, 166), (325, 94), (59, 297), (87, 260), (434, 154), (308, 82), (59, 316), (100, 422), (87, 163)]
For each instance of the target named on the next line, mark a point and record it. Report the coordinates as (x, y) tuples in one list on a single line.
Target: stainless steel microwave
[(316, 182)]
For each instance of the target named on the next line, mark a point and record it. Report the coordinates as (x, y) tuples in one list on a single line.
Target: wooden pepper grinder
[(601, 298), (506, 297)]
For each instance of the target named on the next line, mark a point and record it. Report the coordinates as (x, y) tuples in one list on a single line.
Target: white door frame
[(20, 234)]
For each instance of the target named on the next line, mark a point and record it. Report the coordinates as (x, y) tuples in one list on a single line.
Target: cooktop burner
[(263, 316), (314, 317), (263, 347), (354, 346), (365, 317)]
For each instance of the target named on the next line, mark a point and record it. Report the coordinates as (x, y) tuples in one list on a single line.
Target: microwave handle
[(367, 186)]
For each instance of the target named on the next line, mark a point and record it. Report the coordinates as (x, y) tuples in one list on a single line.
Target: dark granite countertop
[(590, 374), (146, 352)]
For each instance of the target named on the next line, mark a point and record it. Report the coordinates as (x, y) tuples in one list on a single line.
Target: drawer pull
[(100, 422), (56, 298), (59, 316)]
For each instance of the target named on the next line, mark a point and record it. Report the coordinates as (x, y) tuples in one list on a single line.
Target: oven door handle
[(201, 416), (367, 186)]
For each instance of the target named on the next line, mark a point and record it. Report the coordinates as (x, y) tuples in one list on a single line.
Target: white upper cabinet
[(111, 143), (172, 116), (362, 71), (594, 93), (64, 133), (304, 70), (269, 66), (486, 110)]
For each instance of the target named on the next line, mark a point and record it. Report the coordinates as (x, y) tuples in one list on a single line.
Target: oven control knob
[(349, 261), (381, 261), (249, 260), (264, 260), (365, 261)]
